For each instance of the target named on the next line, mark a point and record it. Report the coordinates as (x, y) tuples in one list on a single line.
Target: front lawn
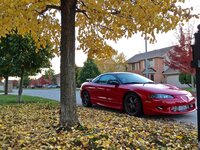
[(190, 89), (12, 100), (33, 125)]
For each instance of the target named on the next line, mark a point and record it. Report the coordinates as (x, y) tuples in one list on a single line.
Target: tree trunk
[(192, 82), (21, 86), (6, 85), (68, 116)]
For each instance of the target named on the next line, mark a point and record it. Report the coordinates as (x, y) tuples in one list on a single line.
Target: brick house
[(58, 79), (155, 63)]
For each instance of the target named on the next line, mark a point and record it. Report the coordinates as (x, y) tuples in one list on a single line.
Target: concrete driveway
[(54, 94)]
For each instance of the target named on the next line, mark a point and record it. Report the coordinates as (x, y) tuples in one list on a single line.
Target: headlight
[(161, 96), (189, 94)]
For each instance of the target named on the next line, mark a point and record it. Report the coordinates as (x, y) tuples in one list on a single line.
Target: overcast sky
[(136, 44)]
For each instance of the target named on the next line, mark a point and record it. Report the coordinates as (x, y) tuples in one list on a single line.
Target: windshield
[(131, 78)]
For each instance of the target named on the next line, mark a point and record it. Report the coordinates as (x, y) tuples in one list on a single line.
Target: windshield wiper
[(133, 82), (148, 83)]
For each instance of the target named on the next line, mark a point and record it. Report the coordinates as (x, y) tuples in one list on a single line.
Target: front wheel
[(133, 105), (86, 99)]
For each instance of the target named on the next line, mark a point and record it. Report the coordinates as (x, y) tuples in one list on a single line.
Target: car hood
[(158, 88)]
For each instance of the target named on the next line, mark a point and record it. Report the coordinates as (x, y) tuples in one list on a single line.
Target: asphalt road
[(54, 94)]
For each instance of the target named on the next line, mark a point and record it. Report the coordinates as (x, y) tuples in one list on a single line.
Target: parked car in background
[(136, 95), (52, 86)]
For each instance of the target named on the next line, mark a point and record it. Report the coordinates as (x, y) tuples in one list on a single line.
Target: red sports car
[(136, 95)]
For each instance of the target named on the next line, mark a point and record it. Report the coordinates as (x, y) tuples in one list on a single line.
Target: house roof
[(150, 70), (150, 54), (171, 71)]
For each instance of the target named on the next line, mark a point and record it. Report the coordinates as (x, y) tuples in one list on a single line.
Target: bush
[(185, 78)]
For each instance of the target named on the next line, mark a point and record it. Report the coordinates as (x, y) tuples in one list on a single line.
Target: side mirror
[(113, 82), (89, 80)]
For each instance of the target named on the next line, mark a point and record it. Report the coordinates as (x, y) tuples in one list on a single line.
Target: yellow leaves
[(179, 137), (105, 19), (24, 15), (114, 19), (33, 126), (117, 62)]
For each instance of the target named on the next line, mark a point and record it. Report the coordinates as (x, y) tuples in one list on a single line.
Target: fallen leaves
[(33, 126)]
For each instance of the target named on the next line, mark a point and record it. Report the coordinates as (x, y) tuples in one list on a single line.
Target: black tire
[(86, 99), (133, 105)]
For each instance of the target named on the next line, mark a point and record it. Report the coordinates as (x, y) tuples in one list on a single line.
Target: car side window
[(105, 78)]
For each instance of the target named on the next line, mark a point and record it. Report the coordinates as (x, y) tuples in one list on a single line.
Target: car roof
[(117, 73)]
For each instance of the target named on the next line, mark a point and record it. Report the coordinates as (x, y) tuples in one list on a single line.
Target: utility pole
[(196, 64), (146, 61)]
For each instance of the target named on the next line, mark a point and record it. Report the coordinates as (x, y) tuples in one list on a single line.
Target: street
[(47, 93), (54, 94)]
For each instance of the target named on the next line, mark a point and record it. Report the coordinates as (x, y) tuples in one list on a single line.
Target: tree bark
[(68, 116), (21, 86), (6, 85), (192, 82)]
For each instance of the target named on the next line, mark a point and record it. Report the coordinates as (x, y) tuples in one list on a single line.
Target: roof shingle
[(149, 55)]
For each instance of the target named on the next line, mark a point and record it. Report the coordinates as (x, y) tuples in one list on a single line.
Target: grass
[(12, 100), (188, 89)]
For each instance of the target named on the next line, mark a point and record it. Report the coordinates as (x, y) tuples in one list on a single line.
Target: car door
[(113, 92), (107, 94), (100, 91)]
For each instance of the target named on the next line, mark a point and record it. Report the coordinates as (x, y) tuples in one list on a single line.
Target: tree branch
[(49, 7), (83, 3), (115, 11), (82, 11)]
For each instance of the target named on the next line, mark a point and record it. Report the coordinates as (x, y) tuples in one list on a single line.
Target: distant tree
[(53, 80), (180, 56), (50, 76), (27, 58), (89, 70), (26, 81), (77, 70), (6, 61), (116, 63)]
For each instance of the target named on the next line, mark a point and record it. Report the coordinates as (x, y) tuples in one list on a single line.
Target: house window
[(151, 76), (135, 66), (151, 63)]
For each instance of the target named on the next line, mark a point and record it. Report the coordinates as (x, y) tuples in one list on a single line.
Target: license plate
[(182, 108)]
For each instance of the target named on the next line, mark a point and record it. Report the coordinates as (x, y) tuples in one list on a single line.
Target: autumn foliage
[(97, 21), (34, 126), (180, 56), (115, 63)]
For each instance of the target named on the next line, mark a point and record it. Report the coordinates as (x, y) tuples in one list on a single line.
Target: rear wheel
[(86, 99), (133, 105)]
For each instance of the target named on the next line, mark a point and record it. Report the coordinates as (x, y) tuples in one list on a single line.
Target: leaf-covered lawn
[(33, 126)]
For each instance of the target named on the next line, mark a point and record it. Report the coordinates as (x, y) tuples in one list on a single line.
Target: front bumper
[(173, 106)]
